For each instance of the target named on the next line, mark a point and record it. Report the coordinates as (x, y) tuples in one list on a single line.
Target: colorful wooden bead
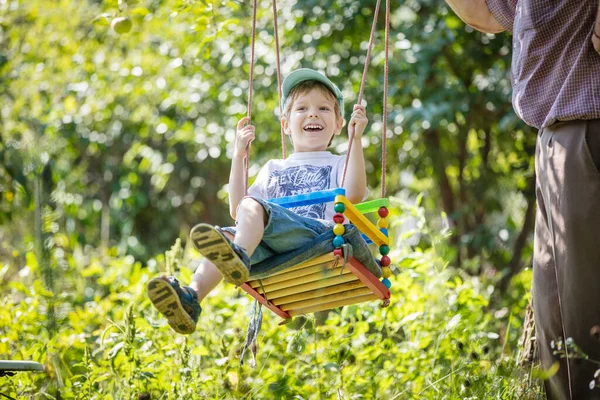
[(384, 249), (339, 207), (384, 231), (338, 218), (385, 261), (382, 223), (339, 229), (338, 253), (386, 282), (338, 241), (386, 272), (383, 212)]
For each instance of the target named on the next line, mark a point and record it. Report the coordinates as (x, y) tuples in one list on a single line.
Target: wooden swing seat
[(323, 282), (316, 285)]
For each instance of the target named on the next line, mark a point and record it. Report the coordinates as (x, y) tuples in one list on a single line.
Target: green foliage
[(113, 146), (440, 337), (131, 134)]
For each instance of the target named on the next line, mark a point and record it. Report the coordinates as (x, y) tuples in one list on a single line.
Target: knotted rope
[(250, 80), (278, 62), (362, 84), (385, 98)]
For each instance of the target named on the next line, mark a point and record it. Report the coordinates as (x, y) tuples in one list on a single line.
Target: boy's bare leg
[(205, 279), (249, 232), (207, 276), (181, 305), (250, 228)]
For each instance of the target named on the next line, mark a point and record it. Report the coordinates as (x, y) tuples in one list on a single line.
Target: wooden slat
[(362, 223), (336, 280), (350, 294), (371, 206), (298, 273), (368, 278), (314, 261), (264, 302), (317, 276), (306, 199), (319, 292), (333, 304)]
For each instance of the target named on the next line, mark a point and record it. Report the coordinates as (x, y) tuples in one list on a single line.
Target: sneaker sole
[(211, 244), (166, 301)]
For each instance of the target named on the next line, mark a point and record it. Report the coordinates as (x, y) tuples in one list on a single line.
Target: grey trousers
[(566, 267)]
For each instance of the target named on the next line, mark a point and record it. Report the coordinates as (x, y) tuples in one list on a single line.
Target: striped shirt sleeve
[(503, 11)]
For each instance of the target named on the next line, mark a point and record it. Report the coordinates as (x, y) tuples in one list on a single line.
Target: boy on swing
[(312, 115)]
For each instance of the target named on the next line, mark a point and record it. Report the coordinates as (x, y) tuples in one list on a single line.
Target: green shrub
[(440, 337)]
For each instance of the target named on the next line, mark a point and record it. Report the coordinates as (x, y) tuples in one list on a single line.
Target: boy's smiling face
[(312, 121)]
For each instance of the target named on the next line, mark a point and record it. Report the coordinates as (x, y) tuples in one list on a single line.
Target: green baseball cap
[(306, 74)]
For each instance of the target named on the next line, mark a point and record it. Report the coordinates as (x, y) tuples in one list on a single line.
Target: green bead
[(339, 207), (384, 249)]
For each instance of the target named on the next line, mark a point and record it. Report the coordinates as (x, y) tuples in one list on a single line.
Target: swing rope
[(362, 84), (278, 62), (385, 98), (250, 80), (385, 92), (360, 93)]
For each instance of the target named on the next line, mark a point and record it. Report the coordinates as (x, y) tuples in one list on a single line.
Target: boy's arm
[(237, 184), (356, 175)]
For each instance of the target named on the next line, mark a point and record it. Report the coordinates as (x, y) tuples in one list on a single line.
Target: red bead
[(383, 212), (338, 218), (385, 261), (338, 252)]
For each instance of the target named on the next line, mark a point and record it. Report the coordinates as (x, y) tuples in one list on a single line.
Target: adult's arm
[(476, 14), (596, 34)]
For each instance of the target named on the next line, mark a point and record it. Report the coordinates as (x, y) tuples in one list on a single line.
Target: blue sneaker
[(178, 304), (230, 259)]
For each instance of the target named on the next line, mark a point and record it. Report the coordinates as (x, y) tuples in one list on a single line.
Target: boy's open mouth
[(313, 128)]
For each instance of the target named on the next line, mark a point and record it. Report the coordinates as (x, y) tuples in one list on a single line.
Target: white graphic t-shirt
[(301, 173)]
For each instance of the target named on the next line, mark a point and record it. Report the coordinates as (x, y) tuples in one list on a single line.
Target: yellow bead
[(386, 272), (339, 229), (382, 223)]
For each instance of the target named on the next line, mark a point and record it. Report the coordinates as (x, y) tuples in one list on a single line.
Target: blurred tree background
[(130, 135), (116, 144)]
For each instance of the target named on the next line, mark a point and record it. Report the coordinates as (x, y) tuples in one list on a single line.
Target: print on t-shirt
[(298, 180)]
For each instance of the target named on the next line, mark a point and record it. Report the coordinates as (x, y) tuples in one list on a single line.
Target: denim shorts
[(285, 231)]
